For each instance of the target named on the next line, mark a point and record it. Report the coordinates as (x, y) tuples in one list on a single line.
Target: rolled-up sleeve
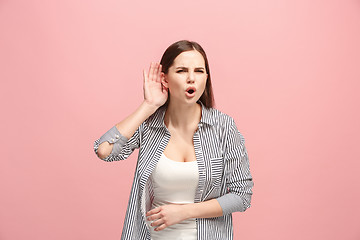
[(123, 147), (239, 181)]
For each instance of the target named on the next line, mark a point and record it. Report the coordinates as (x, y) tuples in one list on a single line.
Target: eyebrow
[(195, 68)]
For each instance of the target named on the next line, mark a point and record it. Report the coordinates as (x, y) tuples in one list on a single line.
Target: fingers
[(155, 72), (157, 222), (159, 73), (153, 211), (145, 75), (160, 228), (151, 71)]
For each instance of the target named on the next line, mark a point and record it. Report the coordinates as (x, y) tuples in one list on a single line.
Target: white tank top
[(174, 182)]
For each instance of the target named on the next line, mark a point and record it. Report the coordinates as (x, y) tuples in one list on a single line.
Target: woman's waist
[(185, 224)]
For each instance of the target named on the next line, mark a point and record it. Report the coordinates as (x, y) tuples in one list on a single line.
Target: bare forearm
[(206, 209), (128, 126)]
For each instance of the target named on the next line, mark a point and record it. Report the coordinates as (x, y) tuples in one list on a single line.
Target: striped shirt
[(223, 165)]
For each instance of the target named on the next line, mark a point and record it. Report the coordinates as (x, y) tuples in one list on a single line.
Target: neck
[(182, 116)]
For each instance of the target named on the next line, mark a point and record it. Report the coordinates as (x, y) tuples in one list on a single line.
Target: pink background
[(287, 71)]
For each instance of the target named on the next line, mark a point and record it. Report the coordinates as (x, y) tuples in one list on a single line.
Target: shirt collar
[(157, 118)]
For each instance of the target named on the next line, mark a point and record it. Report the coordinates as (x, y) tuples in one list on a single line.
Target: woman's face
[(187, 70)]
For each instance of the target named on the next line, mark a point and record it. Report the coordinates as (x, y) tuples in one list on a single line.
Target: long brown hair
[(207, 98)]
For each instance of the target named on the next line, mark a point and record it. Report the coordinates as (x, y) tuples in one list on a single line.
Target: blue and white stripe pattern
[(224, 172)]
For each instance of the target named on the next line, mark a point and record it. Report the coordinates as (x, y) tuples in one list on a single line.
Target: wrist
[(188, 210), (149, 108)]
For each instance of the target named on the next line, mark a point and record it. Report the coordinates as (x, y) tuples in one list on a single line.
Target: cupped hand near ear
[(155, 93)]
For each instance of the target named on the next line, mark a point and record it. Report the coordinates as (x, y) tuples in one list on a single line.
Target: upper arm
[(237, 168)]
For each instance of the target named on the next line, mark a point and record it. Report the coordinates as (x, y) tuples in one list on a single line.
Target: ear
[(164, 80)]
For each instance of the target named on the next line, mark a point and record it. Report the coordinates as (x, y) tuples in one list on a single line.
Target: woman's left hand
[(166, 215)]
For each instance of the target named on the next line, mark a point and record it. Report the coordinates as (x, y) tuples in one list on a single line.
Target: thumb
[(144, 76)]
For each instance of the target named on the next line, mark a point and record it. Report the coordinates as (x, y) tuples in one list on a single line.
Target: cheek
[(202, 88), (203, 85), (175, 85)]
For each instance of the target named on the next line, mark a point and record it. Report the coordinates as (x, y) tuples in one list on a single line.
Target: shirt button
[(112, 139), (117, 136)]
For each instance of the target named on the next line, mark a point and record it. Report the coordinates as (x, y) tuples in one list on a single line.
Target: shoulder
[(225, 124), (220, 118)]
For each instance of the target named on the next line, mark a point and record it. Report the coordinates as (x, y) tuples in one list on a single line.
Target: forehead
[(190, 58)]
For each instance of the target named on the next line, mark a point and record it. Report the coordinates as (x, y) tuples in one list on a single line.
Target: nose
[(191, 77)]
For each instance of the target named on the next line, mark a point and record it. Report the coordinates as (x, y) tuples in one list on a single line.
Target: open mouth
[(191, 90)]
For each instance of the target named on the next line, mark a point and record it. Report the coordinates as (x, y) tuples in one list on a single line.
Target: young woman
[(192, 170)]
